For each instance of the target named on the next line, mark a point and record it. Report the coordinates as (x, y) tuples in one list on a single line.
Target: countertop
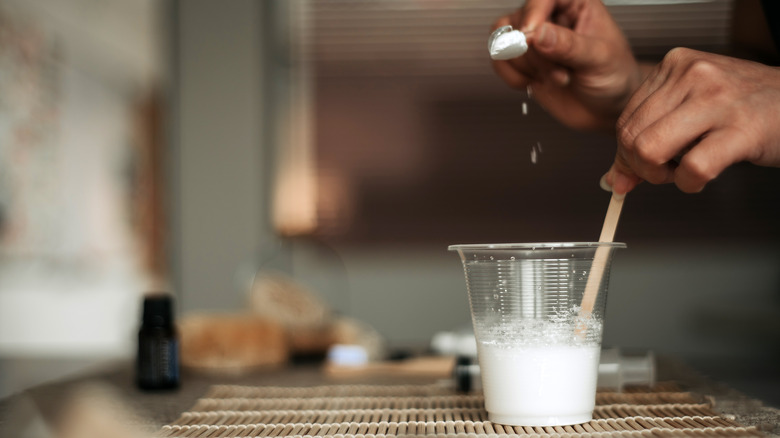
[(45, 404)]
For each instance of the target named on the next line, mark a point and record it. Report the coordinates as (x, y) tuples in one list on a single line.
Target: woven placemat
[(432, 410)]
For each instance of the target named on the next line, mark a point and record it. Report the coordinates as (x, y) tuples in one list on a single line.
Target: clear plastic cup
[(538, 350)]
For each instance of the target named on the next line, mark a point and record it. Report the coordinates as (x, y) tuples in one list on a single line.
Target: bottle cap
[(158, 310)]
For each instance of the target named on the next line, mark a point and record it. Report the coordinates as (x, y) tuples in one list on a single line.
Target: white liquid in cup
[(539, 385)]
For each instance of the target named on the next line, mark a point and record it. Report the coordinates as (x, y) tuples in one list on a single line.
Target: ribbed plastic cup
[(538, 350)]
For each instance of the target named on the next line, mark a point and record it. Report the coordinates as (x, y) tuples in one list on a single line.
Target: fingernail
[(604, 184), (528, 29), (618, 196), (545, 38)]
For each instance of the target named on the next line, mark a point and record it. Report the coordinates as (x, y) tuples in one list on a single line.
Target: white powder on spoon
[(507, 43)]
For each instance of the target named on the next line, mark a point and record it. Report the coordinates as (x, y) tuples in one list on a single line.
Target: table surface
[(155, 409)]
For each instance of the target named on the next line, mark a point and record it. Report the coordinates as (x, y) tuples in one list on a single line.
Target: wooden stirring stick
[(611, 221), (599, 264)]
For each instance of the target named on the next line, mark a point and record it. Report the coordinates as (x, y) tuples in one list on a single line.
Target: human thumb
[(568, 48), (618, 181)]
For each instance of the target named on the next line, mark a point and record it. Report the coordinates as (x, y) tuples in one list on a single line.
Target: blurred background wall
[(78, 195), (346, 143)]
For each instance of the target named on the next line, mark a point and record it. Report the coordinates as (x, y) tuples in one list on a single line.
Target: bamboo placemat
[(432, 410)]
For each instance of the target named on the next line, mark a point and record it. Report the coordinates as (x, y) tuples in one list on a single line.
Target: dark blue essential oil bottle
[(157, 365)]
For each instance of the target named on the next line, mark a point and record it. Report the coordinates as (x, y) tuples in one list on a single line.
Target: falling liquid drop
[(536, 151)]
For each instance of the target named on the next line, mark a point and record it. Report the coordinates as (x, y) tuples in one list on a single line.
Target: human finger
[(656, 134), (510, 75), (648, 87), (713, 154), (654, 173), (568, 48), (540, 69), (519, 72), (620, 178), (535, 12), (501, 22), (523, 65), (531, 65)]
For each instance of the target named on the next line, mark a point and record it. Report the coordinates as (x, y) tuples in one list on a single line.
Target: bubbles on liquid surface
[(559, 328)]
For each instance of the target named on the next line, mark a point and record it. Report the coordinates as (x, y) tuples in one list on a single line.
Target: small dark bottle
[(157, 365)]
